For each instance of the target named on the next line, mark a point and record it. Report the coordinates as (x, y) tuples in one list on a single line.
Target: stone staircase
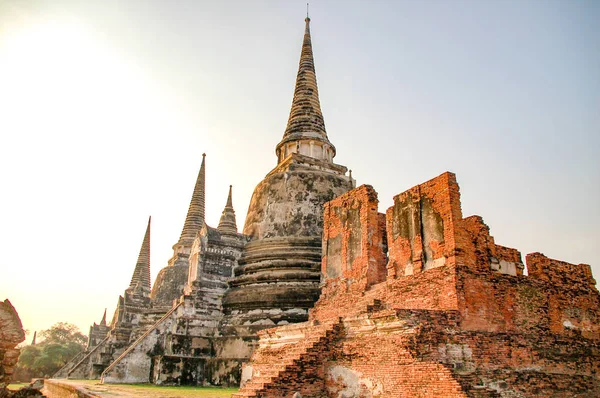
[(81, 367), (132, 347), (64, 371), (289, 357)]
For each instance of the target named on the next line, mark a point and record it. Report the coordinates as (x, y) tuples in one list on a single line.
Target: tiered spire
[(306, 120), (227, 224), (34, 337), (195, 216), (141, 274)]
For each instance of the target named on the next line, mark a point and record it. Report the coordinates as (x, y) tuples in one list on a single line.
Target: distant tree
[(63, 333), (60, 343)]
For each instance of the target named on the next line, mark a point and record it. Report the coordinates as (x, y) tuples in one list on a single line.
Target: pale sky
[(107, 106)]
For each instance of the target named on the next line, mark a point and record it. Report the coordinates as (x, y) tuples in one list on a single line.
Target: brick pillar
[(353, 241)]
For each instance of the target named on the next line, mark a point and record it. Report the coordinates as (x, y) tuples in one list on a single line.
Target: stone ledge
[(62, 389)]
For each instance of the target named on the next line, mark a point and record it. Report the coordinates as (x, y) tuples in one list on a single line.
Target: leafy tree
[(63, 333), (60, 343)]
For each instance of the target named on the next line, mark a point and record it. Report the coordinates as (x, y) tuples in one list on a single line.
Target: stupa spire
[(227, 223), (306, 126), (195, 216), (103, 321), (141, 274)]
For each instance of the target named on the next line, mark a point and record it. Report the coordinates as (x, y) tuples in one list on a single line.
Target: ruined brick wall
[(355, 243), (380, 356), (423, 240), (510, 255), (421, 227), (467, 270), (456, 316), (495, 296), (353, 240), (559, 272), (573, 303), (354, 256), (11, 334)]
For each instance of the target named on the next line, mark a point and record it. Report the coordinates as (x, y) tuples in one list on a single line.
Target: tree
[(60, 344), (63, 333)]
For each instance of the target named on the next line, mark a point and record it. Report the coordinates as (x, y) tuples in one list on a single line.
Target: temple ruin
[(322, 295), (421, 302), (199, 322)]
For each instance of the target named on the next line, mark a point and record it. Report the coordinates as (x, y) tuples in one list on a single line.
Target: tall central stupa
[(277, 278)]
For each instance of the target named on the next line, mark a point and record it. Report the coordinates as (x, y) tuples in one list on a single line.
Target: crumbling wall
[(354, 254), (455, 316), (353, 240), (495, 296), (421, 227), (573, 300), (11, 334), (379, 356), (349, 262)]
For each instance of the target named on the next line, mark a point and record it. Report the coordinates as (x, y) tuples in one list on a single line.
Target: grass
[(151, 391), (16, 386)]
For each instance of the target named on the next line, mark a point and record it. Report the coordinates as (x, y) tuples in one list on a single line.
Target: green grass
[(223, 391), (16, 386), (153, 391)]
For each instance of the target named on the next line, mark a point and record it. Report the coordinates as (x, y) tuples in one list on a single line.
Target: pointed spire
[(306, 120), (229, 201), (141, 274), (195, 216), (103, 321), (227, 224), (34, 336)]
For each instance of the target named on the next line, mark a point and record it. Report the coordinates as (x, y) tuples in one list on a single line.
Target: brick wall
[(421, 227), (559, 272), (455, 315), (353, 240)]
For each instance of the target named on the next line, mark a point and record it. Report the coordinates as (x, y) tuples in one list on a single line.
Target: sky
[(106, 108)]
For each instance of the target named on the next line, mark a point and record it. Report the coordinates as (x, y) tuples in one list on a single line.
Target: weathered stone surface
[(233, 288), (464, 327), (171, 280), (305, 131), (184, 347), (11, 334), (289, 201), (132, 316), (277, 278), (278, 275), (25, 392)]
